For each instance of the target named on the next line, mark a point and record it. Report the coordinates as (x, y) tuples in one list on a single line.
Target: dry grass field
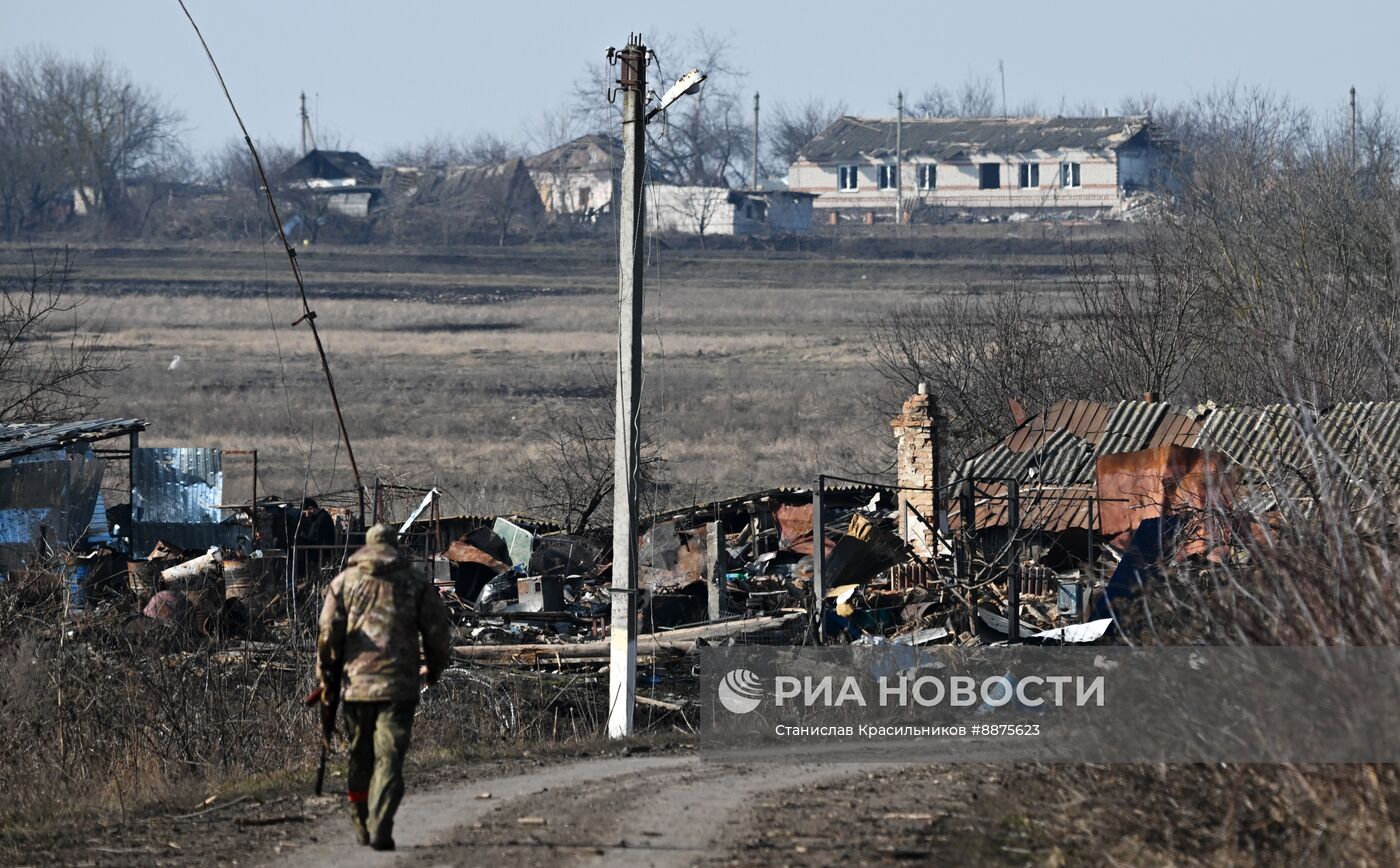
[(451, 363)]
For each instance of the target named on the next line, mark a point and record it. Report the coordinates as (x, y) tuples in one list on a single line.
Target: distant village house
[(984, 165), (346, 180), (721, 211), (578, 177)]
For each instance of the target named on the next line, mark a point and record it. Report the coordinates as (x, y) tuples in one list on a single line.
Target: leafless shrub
[(52, 358), (975, 351), (569, 477)]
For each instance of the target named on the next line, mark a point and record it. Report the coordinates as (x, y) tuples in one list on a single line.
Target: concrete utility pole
[(899, 161), (755, 141), (622, 669), (632, 84)]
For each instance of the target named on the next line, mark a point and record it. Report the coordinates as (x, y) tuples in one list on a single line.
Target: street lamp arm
[(688, 83)]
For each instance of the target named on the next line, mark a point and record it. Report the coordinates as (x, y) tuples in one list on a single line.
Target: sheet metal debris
[(176, 496)]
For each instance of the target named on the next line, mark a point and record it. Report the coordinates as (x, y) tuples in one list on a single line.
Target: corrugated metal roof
[(29, 437), (1270, 448), (175, 496), (1129, 428), (948, 138)]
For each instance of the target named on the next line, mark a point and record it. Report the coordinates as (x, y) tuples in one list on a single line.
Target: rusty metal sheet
[(465, 553), (1168, 480)]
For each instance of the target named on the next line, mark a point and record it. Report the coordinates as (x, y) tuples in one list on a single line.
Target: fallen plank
[(675, 642), (658, 703)]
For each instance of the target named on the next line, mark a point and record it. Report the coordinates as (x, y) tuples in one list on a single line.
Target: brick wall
[(916, 465)]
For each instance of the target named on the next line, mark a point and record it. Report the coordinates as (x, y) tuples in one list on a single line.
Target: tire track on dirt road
[(630, 811)]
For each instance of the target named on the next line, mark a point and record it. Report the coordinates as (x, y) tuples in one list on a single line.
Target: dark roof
[(333, 166), (948, 138), (29, 437), (585, 153)]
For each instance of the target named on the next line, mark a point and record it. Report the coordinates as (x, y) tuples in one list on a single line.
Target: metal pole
[(254, 521), (1353, 127), (1013, 575), (133, 446), (622, 671), (755, 142), (899, 162)]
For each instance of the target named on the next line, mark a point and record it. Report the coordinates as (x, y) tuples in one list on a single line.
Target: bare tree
[(975, 352), (1145, 316), (83, 129), (441, 151), (553, 127), (569, 479), (976, 98), (792, 126), (702, 140), (52, 363), (689, 209)]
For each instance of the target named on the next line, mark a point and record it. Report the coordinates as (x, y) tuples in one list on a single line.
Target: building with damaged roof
[(1026, 164), (1278, 457)]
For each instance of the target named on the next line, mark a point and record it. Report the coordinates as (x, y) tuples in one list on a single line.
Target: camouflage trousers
[(379, 733)]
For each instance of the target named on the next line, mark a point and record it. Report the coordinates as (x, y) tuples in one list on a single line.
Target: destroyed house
[(346, 180), (985, 165), (462, 201), (1078, 463), (578, 177), (722, 211)]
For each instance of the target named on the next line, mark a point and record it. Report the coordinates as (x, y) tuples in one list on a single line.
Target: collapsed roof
[(951, 138), (333, 166), (1274, 451)]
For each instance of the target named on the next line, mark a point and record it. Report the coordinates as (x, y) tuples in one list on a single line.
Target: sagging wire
[(308, 315), (307, 450)]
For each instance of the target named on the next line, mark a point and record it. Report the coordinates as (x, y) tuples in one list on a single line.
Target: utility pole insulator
[(632, 67)]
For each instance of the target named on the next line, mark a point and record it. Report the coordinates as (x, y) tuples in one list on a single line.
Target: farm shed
[(722, 211), (50, 483)]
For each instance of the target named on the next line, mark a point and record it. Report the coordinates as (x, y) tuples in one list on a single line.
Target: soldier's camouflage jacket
[(374, 614)]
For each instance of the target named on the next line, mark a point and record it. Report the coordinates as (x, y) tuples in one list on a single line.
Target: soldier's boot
[(359, 818), (383, 836)]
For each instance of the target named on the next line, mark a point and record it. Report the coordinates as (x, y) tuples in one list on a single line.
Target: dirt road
[(641, 811)]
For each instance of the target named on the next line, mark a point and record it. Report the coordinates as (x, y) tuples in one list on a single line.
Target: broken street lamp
[(686, 84)]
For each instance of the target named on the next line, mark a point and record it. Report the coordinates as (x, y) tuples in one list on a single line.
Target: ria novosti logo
[(740, 691)]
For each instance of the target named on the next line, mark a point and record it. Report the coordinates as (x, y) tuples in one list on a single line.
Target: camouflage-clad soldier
[(371, 624)]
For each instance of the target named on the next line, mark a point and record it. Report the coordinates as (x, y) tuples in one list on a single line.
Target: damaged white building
[(982, 165)]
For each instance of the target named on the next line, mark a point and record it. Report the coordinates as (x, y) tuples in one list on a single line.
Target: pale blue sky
[(389, 73)]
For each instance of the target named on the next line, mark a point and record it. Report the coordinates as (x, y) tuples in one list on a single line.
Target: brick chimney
[(916, 449)]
